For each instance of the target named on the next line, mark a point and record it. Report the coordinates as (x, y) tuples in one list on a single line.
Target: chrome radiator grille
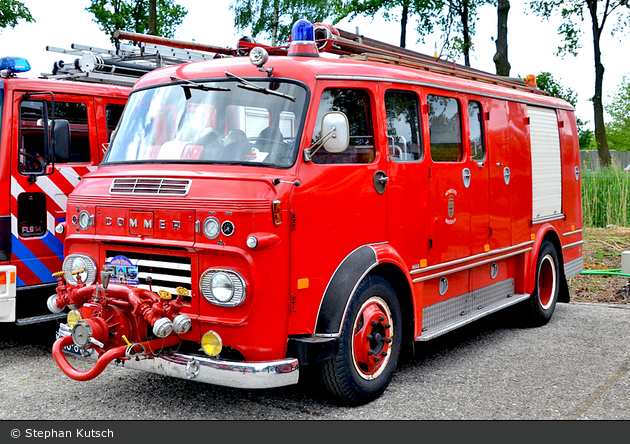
[(165, 272), (149, 186)]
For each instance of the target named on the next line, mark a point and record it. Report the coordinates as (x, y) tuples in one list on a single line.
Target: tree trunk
[(403, 25), (598, 106), (152, 17), (274, 25), (466, 32), (501, 57)]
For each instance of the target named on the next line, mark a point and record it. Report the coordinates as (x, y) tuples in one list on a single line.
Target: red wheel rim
[(372, 338), (546, 281)]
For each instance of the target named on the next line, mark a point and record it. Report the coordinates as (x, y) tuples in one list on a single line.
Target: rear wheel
[(543, 300), (369, 345)]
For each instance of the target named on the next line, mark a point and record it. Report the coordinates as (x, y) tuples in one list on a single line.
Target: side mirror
[(61, 140), (335, 132)]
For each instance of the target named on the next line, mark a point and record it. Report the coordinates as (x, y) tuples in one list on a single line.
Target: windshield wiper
[(188, 84), (253, 87)]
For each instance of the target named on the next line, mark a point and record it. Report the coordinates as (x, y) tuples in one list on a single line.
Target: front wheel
[(369, 344), (542, 302)]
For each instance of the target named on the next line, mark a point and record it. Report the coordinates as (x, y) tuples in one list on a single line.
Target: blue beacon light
[(303, 40), (14, 64)]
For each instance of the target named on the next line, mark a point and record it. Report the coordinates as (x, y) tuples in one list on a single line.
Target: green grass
[(606, 198)]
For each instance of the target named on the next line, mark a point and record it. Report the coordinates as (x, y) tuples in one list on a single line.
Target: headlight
[(76, 262), (85, 220), (211, 227), (223, 287)]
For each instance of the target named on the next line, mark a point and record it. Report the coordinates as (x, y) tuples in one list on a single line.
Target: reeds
[(606, 197)]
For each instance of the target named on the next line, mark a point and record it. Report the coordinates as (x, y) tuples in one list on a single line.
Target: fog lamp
[(211, 343), (73, 317)]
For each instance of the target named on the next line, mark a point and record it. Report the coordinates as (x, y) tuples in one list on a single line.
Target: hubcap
[(546, 282), (372, 339)]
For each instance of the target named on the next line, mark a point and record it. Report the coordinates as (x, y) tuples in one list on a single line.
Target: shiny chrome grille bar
[(150, 186)]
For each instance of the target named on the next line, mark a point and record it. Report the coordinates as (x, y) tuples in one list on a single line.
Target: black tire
[(542, 302), (369, 345)]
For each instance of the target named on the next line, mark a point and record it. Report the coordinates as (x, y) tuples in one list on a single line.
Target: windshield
[(230, 122)]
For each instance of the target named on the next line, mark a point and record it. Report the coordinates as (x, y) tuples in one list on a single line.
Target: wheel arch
[(549, 233), (353, 269)]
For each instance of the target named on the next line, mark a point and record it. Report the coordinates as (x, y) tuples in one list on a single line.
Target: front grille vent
[(166, 272), (151, 186)]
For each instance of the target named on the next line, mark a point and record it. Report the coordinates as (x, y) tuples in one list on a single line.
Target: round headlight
[(76, 262), (84, 220), (252, 242), (222, 287), (211, 227)]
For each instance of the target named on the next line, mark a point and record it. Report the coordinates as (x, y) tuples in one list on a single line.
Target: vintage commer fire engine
[(324, 203)]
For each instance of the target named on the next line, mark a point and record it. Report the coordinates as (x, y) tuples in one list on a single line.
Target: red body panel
[(427, 223)]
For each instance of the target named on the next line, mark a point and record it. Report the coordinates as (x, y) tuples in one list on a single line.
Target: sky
[(532, 41)]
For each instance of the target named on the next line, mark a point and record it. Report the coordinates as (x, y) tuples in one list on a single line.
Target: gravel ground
[(576, 367)]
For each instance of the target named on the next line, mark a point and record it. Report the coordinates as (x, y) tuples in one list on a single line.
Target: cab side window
[(112, 117), (76, 115), (355, 104), (445, 129), (32, 140), (403, 126), (475, 121)]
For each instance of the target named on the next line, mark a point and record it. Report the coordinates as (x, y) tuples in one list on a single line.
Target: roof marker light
[(13, 65), (303, 40)]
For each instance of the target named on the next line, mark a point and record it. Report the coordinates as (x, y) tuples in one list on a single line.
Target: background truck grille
[(149, 186), (167, 272)]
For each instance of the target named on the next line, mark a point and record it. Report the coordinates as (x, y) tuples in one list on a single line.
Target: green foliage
[(618, 129), (273, 19), (606, 197), (11, 11), (133, 16)]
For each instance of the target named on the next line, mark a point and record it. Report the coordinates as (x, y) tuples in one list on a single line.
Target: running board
[(42, 318), (446, 316)]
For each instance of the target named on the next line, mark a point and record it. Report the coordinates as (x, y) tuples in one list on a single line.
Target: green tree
[(407, 8), (599, 12), (273, 19), (618, 129), (11, 11), (547, 82), (134, 16)]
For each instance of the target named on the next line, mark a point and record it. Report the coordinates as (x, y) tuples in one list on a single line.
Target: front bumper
[(238, 374)]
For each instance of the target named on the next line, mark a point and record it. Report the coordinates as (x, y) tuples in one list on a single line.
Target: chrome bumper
[(248, 375), (238, 374)]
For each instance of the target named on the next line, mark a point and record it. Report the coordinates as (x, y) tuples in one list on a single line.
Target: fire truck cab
[(52, 133), (291, 210)]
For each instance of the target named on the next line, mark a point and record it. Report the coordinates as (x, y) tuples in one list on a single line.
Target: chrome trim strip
[(569, 233), (540, 220), (574, 244), (466, 267), (436, 86), (469, 258)]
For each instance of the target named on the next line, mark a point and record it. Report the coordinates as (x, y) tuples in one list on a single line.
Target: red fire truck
[(325, 203), (72, 111)]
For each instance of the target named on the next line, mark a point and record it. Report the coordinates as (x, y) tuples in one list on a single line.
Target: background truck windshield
[(229, 122)]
